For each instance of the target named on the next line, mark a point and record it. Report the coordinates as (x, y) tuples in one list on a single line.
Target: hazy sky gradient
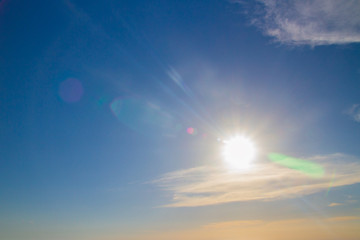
[(114, 113)]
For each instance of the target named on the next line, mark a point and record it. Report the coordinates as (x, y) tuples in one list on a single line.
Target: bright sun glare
[(239, 153)]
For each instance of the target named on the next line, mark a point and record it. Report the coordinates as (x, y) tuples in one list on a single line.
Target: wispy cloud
[(210, 185), (257, 223), (310, 22), (343, 219), (339, 227), (354, 112), (335, 204)]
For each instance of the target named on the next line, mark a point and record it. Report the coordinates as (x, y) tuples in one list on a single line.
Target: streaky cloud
[(311, 22), (211, 185), (345, 227), (334, 204), (354, 112)]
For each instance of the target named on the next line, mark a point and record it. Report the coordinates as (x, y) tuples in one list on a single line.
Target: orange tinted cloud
[(335, 204), (213, 185), (344, 227)]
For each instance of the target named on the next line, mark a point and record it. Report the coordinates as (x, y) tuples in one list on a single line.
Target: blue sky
[(114, 114)]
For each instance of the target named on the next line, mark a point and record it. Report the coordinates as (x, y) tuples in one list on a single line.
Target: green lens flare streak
[(331, 183), (306, 167)]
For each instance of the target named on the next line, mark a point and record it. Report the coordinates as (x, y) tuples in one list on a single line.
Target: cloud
[(309, 22), (211, 185), (259, 223), (340, 227), (335, 204), (354, 112), (343, 219)]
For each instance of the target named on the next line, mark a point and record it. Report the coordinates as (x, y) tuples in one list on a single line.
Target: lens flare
[(71, 90), (144, 117), (191, 131), (309, 168)]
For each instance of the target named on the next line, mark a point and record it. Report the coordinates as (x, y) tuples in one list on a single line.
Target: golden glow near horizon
[(239, 153)]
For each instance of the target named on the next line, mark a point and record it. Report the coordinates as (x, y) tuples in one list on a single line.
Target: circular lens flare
[(239, 153)]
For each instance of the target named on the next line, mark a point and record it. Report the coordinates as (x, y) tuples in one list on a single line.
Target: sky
[(114, 117)]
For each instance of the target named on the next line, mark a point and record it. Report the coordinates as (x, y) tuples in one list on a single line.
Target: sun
[(239, 153)]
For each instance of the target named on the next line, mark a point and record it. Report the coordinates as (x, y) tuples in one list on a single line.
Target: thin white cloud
[(210, 185), (309, 22), (354, 112), (335, 204)]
